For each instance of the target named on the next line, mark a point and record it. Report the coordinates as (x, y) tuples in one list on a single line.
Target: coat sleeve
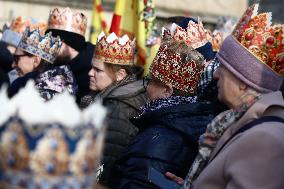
[(256, 159)]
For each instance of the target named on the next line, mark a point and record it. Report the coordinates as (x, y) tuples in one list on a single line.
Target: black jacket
[(80, 66), (167, 141), (6, 60)]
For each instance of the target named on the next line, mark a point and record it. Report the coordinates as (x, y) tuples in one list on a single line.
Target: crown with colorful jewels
[(13, 34), (58, 145), (194, 35), (180, 68), (262, 39), (44, 46), (115, 50), (65, 19)]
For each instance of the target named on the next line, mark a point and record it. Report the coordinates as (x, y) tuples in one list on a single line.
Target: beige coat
[(253, 159)]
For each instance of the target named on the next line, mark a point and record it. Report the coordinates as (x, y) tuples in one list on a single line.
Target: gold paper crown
[(194, 35), (115, 50), (65, 19), (181, 70), (266, 42), (46, 46), (19, 25)]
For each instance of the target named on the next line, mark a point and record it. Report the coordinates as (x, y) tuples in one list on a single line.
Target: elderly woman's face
[(229, 91)]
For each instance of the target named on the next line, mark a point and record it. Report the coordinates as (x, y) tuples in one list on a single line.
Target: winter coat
[(251, 159), (122, 102), (167, 141), (80, 66), (49, 82)]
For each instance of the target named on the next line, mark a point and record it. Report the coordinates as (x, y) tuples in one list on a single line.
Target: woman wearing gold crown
[(171, 123), (33, 59), (243, 147), (114, 79)]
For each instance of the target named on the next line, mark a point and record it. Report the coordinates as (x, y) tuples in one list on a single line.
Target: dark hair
[(131, 70)]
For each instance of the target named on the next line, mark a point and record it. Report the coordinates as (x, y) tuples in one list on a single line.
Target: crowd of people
[(209, 114)]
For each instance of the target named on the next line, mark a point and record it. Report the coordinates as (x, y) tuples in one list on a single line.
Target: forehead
[(19, 51), (97, 62)]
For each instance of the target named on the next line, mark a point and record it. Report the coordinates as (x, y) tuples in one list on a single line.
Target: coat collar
[(257, 110)]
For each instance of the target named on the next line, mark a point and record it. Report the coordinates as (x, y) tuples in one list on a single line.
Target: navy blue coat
[(167, 141)]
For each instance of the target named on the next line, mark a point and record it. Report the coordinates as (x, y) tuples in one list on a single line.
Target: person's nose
[(91, 72)]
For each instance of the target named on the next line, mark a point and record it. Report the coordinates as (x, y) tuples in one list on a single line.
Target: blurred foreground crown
[(48, 144)]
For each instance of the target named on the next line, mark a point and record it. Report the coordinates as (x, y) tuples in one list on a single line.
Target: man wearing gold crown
[(75, 51), (243, 147)]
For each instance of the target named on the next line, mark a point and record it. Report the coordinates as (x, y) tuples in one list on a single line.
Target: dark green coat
[(122, 102)]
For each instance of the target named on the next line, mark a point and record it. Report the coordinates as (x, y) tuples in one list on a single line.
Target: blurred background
[(208, 10)]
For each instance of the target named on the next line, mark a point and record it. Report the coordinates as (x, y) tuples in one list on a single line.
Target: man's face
[(64, 56)]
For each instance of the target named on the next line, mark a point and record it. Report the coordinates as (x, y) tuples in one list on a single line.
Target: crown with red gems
[(115, 50), (65, 19), (44, 46), (262, 39), (194, 35), (171, 65)]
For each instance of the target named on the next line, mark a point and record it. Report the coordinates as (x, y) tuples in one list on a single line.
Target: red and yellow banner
[(98, 22), (128, 18)]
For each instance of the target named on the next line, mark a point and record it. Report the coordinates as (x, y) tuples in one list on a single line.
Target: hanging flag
[(134, 18), (98, 21)]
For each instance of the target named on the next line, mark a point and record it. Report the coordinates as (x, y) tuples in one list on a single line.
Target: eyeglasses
[(146, 81), (18, 56)]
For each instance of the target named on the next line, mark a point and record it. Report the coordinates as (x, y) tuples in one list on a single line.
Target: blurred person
[(243, 147), (75, 51), (33, 59), (6, 60), (115, 80), (10, 39), (171, 123)]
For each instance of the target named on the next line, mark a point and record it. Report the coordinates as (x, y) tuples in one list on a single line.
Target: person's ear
[(243, 87), (120, 74), (36, 61), (168, 91)]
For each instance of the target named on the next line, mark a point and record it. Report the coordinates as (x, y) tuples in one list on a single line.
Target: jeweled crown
[(65, 19), (262, 39), (194, 35), (115, 50), (12, 34), (44, 46), (182, 70)]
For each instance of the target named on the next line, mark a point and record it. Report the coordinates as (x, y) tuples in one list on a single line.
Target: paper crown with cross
[(44, 46), (115, 50), (67, 20), (172, 65), (262, 39)]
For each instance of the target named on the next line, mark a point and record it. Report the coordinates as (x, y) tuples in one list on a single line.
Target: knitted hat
[(254, 52)]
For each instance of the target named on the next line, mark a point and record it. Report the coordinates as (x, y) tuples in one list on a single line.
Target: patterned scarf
[(166, 102), (213, 133)]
